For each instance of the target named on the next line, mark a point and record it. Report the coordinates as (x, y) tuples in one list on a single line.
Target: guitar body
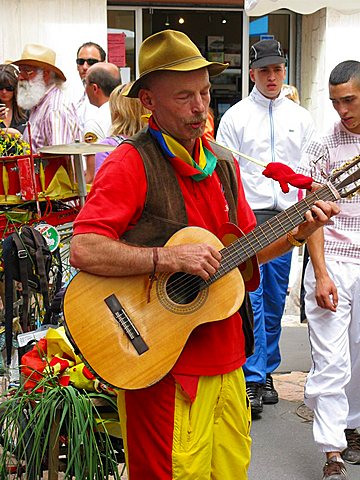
[(163, 322)]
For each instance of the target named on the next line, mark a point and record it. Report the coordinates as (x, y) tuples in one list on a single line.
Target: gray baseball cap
[(266, 52)]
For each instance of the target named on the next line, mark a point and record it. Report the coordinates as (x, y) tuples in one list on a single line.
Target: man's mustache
[(198, 119)]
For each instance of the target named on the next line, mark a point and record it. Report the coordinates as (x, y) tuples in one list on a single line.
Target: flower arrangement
[(12, 144)]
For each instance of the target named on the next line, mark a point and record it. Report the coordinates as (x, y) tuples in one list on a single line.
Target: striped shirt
[(342, 233), (53, 121)]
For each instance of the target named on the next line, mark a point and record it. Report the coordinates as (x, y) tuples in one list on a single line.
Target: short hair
[(97, 46), (103, 79), (126, 112), (344, 72)]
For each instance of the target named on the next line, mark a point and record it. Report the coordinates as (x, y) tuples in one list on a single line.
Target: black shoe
[(269, 394), (334, 470), (351, 454), (254, 391)]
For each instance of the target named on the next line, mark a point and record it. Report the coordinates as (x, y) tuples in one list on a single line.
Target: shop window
[(121, 41), (218, 35), (271, 26)]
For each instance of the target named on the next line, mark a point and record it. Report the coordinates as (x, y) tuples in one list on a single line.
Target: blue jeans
[(268, 303)]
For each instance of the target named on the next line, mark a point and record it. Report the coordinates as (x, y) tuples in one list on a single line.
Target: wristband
[(155, 257), (293, 241), (152, 276)]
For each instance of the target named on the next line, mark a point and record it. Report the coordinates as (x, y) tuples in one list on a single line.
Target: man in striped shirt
[(53, 117), (332, 285)]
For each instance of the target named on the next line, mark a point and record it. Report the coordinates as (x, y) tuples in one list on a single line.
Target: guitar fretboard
[(263, 235)]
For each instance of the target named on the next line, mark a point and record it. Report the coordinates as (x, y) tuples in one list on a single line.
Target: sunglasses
[(9, 88), (89, 61)]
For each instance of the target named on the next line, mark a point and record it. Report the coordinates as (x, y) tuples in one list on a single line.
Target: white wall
[(62, 25), (328, 38)]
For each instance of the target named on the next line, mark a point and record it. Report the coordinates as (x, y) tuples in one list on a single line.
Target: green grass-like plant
[(35, 423)]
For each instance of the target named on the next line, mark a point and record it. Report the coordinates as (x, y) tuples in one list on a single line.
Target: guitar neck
[(263, 235)]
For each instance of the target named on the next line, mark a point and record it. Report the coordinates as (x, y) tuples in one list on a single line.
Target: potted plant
[(59, 428)]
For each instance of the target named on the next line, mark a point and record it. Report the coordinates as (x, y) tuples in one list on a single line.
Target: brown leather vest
[(164, 211)]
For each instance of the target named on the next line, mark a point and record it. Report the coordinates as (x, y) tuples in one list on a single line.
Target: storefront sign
[(117, 49)]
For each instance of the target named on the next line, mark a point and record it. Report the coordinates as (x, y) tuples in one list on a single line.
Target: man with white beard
[(53, 117)]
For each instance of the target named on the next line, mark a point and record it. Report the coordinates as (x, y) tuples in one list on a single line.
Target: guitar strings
[(233, 256), (266, 230)]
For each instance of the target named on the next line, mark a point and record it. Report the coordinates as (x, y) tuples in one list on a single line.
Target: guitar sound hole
[(182, 288)]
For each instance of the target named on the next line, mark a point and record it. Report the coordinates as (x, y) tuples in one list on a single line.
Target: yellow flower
[(11, 145)]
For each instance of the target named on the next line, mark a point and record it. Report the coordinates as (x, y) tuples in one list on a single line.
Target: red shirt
[(116, 202)]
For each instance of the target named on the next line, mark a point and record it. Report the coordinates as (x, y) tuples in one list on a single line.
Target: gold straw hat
[(39, 56), (170, 50)]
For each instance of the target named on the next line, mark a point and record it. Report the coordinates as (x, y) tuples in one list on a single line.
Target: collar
[(258, 97)]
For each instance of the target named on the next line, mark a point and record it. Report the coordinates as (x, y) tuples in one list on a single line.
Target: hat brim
[(214, 68), (44, 65), (264, 62)]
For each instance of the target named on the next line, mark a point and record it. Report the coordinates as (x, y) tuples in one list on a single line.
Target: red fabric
[(285, 175), (150, 453), (62, 364), (189, 383), (116, 201), (64, 380), (87, 374), (33, 363)]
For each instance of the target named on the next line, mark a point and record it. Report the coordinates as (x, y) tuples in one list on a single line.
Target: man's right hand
[(326, 293), (196, 259)]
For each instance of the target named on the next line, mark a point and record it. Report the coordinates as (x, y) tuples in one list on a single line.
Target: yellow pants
[(208, 439)]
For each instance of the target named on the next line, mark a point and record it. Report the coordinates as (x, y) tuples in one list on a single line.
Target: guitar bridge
[(126, 324)]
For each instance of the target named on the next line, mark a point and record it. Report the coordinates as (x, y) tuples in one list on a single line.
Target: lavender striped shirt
[(53, 121), (342, 233)]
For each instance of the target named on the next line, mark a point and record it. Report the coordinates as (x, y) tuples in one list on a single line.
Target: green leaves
[(59, 425)]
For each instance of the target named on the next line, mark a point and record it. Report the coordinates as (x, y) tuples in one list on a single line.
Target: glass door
[(122, 40), (218, 35)]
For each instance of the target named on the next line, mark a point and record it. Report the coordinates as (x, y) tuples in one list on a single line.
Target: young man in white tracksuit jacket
[(271, 128)]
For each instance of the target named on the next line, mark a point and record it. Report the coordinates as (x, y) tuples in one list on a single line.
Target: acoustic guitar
[(131, 341)]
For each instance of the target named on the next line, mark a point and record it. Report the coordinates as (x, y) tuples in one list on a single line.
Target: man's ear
[(46, 76), (147, 99), (252, 76)]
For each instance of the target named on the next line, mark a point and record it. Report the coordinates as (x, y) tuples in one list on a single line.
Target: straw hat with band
[(172, 51), (40, 57)]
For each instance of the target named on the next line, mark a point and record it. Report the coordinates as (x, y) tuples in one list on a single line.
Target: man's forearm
[(315, 247), (101, 255)]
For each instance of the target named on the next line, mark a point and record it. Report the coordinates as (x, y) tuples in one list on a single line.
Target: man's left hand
[(318, 215)]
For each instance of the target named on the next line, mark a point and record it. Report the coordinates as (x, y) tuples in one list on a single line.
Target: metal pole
[(80, 177)]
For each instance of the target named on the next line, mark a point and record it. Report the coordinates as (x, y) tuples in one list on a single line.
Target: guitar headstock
[(346, 179)]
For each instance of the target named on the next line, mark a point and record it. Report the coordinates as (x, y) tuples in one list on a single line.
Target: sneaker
[(351, 454), (269, 394), (254, 391), (334, 470)]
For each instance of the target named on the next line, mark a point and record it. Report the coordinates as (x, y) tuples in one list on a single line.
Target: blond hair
[(126, 112), (291, 92)]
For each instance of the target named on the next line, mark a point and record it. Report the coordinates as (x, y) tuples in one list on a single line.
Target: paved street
[(283, 446)]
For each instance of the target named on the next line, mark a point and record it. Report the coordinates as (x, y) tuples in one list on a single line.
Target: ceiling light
[(223, 20), (181, 20), (167, 23)]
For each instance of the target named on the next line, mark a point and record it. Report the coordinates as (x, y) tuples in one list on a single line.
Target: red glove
[(285, 175)]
